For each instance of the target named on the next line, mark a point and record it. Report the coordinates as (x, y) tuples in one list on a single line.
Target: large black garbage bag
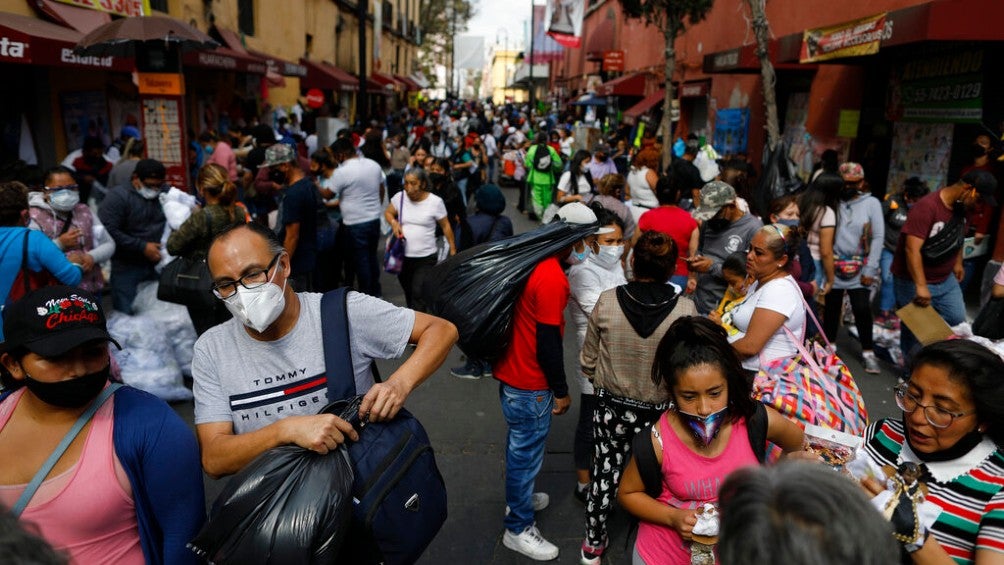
[(289, 505), (778, 178), (477, 289)]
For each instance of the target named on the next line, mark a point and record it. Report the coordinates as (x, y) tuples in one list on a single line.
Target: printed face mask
[(705, 429), (609, 256), (73, 393), (257, 308), (576, 257), (64, 200)]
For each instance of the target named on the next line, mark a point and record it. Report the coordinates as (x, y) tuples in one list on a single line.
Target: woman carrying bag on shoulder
[(192, 239)]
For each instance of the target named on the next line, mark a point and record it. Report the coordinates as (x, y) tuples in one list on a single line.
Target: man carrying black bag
[(260, 379)]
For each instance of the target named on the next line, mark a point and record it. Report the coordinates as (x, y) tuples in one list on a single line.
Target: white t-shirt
[(779, 295), (564, 183), (566, 146), (642, 194), (255, 383), (358, 182), (826, 219), (419, 223)]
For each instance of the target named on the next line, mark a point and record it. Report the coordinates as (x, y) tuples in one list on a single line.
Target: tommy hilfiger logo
[(289, 396), (74, 308)]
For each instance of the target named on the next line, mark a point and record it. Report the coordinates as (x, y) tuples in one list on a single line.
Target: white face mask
[(257, 308), (609, 256), (64, 200), (149, 193)]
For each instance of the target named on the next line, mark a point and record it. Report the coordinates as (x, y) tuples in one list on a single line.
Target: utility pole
[(533, 22), (362, 101), (453, 48)]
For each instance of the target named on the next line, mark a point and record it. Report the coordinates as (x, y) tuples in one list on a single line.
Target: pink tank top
[(88, 510), (688, 481)]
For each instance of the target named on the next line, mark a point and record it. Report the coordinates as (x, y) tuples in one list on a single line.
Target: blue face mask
[(576, 257), (208, 150), (792, 223)]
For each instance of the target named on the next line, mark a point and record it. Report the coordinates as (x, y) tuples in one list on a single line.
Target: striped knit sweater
[(969, 491)]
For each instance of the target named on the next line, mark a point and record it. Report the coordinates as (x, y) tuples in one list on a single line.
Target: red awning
[(281, 66), (628, 85), (385, 81), (646, 104), (225, 59), (600, 40), (229, 38), (81, 19), (325, 76), (33, 41), (409, 84)]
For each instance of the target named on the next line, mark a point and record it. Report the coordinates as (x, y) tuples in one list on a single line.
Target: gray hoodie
[(717, 245), (860, 227)]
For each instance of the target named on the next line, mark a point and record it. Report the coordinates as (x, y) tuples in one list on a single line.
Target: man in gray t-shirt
[(260, 378)]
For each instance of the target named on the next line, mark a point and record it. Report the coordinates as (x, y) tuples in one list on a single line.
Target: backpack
[(542, 158), (399, 497), (26, 279), (651, 472)]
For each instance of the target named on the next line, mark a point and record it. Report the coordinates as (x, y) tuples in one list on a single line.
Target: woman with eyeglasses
[(773, 301), (952, 427), (57, 212)]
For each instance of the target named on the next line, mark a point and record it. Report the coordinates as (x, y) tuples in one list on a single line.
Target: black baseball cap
[(52, 320), (984, 183), (150, 169)]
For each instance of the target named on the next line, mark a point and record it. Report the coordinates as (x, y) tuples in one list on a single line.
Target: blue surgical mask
[(207, 149), (576, 257), (791, 223)]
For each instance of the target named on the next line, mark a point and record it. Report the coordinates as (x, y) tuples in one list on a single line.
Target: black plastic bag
[(477, 289), (989, 322), (779, 178), (289, 505)]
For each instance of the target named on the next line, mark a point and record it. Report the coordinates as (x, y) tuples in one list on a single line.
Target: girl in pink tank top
[(699, 440), (86, 511)]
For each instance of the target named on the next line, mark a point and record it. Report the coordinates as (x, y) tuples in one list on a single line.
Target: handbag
[(812, 387), (186, 281), (393, 256), (945, 244)]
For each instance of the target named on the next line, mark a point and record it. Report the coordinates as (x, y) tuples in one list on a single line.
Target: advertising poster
[(850, 39), (920, 150), (732, 127), (942, 88), (564, 21)]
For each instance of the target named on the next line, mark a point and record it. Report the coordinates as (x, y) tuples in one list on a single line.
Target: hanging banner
[(564, 21), (849, 39), (118, 7)]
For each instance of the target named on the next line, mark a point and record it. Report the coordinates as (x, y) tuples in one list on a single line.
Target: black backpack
[(542, 158), (651, 472), (399, 497)]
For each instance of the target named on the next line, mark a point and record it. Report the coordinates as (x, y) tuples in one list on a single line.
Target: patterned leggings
[(616, 420)]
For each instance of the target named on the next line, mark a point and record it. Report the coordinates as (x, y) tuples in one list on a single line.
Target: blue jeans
[(462, 187), (363, 239), (124, 282), (528, 415), (946, 299), (887, 297)]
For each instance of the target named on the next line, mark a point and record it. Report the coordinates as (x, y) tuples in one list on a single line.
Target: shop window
[(159, 5), (245, 16), (388, 13)]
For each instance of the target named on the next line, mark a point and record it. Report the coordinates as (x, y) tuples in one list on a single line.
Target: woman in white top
[(413, 214), (641, 180), (576, 181), (567, 142), (773, 302), (818, 205)]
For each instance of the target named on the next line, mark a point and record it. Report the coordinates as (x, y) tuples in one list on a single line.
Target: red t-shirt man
[(927, 217), (677, 224), (543, 302)]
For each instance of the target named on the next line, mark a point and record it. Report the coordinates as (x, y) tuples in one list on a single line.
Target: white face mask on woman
[(609, 256), (64, 200), (259, 307)]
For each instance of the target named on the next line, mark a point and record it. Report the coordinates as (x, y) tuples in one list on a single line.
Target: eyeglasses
[(937, 417), (72, 187), (249, 281)]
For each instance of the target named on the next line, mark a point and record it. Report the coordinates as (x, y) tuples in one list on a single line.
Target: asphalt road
[(466, 427)]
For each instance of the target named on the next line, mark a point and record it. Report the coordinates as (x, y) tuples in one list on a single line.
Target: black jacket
[(132, 221)]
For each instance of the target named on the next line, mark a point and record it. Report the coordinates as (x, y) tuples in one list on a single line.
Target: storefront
[(338, 85)]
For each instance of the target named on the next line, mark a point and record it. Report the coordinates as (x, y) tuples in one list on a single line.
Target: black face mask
[(437, 179), (73, 393), (978, 151), (849, 193), (276, 176), (718, 224)]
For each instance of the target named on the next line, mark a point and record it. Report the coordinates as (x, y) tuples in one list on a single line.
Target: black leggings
[(860, 305), (582, 449), (412, 276)]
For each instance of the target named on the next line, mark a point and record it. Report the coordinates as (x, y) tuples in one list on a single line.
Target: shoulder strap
[(337, 348), (66, 223), (756, 429), (648, 465), (25, 273), (36, 481)]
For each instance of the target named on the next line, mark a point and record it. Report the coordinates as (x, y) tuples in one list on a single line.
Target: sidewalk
[(467, 430)]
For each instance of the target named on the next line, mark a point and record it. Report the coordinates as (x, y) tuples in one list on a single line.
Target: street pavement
[(467, 430)]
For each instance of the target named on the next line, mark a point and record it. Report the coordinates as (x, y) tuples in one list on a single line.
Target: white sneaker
[(531, 544), (540, 500), (871, 363)]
